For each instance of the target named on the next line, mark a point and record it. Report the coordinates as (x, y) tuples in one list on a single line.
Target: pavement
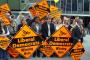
[(86, 44)]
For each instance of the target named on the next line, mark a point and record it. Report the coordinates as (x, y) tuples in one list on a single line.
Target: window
[(86, 5), (74, 5), (80, 6), (68, 8)]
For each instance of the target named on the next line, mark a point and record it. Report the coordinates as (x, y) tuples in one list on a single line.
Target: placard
[(24, 42), (61, 48), (46, 49), (33, 11), (5, 20), (62, 32), (44, 3), (41, 9), (4, 42), (4, 8), (60, 41), (77, 51), (54, 12), (25, 31)]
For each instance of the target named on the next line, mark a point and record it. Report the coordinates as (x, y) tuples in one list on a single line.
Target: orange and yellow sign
[(46, 49), (27, 52), (4, 8), (24, 42), (62, 32), (4, 42), (44, 3), (33, 11), (41, 9), (12, 52), (54, 12), (60, 41), (25, 31), (77, 51), (61, 50), (5, 20)]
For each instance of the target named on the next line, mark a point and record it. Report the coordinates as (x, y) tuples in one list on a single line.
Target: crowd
[(44, 27)]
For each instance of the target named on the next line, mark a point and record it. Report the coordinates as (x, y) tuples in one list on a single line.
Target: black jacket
[(76, 33), (44, 29)]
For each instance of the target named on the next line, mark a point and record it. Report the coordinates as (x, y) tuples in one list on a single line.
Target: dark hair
[(35, 18), (45, 18)]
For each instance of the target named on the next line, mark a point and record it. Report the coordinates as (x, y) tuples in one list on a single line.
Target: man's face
[(37, 20), (49, 20), (23, 22)]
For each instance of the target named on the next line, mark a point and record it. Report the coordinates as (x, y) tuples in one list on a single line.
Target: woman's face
[(74, 22), (59, 21)]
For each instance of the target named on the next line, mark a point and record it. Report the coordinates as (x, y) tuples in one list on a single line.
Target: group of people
[(48, 25), (44, 27)]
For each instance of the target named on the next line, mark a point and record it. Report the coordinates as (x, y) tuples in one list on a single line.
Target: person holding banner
[(20, 17), (47, 28), (77, 32), (66, 21), (58, 24), (36, 26), (12, 28), (23, 22), (3, 32), (29, 21)]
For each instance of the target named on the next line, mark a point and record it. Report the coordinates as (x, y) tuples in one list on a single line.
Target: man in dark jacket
[(47, 28), (23, 22), (77, 34)]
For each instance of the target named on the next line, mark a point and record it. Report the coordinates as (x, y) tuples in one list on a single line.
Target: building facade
[(69, 7)]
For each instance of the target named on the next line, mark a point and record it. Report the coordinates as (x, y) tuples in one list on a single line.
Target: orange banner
[(4, 42), (5, 20), (33, 11), (46, 49), (54, 12), (41, 9), (62, 32), (5, 8), (77, 51), (24, 42), (60, 41)]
